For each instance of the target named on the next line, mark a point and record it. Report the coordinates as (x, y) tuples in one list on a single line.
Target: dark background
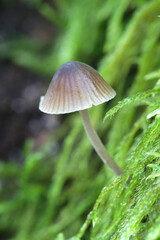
[(21, 89)]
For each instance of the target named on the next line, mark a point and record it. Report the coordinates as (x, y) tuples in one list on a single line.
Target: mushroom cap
[(75, 86)]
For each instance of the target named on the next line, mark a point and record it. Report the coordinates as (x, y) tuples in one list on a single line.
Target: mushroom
[(76, 87)]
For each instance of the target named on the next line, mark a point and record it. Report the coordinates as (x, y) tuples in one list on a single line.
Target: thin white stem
[(98, 145)]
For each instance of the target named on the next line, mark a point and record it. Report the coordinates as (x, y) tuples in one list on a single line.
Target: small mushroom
[(76, 87)]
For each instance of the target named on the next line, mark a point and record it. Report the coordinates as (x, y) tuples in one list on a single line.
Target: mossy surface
[(71, 194)]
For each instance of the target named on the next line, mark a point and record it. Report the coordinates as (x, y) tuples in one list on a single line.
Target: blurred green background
[(52, 183)]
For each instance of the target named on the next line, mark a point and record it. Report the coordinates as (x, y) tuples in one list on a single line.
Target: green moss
[(71, 195)]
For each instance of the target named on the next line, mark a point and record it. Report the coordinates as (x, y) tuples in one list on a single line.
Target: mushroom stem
[(97, 144)]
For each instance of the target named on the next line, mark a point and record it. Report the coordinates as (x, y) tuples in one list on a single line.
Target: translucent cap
[(75, 86)]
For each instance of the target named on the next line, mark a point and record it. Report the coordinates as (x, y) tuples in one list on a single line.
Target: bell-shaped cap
[(75, 86)]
